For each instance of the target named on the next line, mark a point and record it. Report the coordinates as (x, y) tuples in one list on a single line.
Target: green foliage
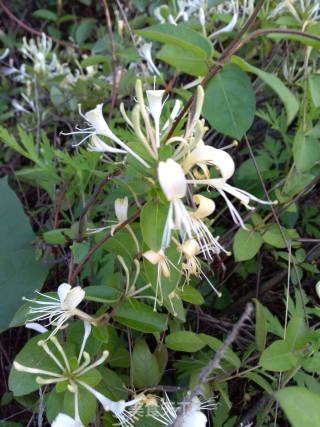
[(230, 102), (21, 273), (157, 321)]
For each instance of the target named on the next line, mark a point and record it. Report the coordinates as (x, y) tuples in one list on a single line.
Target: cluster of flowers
[(57, 311), (188, 9), (188, 167)]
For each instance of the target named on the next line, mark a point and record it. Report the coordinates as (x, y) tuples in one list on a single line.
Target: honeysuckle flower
[(63, 420), (305, 12), (57, 311), (163, 264), (145, 53), (74, 376), (98, 126), (174, 185), (204, 155), (155, 108), (191, 265), (124, 416), (191, 415), (121, 209), (232, 23), (39, 51)]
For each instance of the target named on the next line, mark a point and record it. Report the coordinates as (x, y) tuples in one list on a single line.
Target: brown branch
[(31, 30), (60, 201), (113, 56), (213, 364), (98, 245), (92, 200)]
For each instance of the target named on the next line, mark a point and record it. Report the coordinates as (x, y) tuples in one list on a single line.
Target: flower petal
[(63, 291), (73, 299)]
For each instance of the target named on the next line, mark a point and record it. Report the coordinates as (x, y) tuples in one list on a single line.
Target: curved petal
[(73, 299), (205, 154), (205, 206), (63, 291)]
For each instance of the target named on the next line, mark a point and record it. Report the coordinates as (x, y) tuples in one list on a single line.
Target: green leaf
[(189, 294), (301, 406), (298, 38), (94, 60), (246, 244), (230, 104), (32, 355), (289, 100), (179, 35), (183, 60), (103, 294), (20, 273), (261, 326), (45, 14), (306, 152), (145, 366), (152, 221), (314, 85), (297, 333), (140, 317), (79, 250), (312, 364), (184, 341), (273, 236), (278, 357), (83, 30)]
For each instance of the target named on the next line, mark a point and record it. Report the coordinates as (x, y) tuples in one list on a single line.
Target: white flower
[(155, 108), (232, 23), (98, 126), (204, 155), (163, 265), (192, 265), (145, 53), (174, 185), (63, 420), (121, 209), (191, 413), (172, 180), (39, 51), (57, 311), (74, 377), (119, 409)]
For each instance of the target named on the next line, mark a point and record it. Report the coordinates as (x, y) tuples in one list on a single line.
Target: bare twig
[(213, 364), (31, 30)]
